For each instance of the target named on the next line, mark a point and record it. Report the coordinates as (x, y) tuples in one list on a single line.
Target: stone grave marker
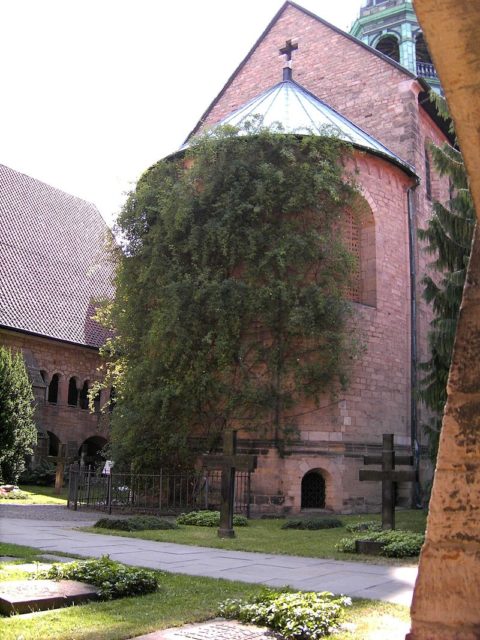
[(25, 596), (229, 462), (388, 476)]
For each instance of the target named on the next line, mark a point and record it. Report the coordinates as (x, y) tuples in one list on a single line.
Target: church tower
[(391, 27)]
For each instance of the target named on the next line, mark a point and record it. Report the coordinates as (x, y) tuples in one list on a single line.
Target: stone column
[(407, 48), (447, 593)]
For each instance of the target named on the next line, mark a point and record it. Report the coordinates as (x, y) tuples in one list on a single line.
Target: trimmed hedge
[(368, 525), (395, 544), (113, 580), (208, 519), (312, 523), (135, 523), (296, 616)]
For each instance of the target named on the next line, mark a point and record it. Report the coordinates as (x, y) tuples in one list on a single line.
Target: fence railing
[(426, 70), (162, 493)]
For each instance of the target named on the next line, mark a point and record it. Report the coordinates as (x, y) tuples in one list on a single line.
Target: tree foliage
[(449, 237), (230, 289), (18, 433)]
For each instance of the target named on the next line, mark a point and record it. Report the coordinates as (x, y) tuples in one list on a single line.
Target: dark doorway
[(313, 491), (91, 450)]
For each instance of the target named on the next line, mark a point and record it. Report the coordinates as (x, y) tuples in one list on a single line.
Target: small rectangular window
[(428, 176)]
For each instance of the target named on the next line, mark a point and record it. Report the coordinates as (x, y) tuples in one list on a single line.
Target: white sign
[(107, 467)]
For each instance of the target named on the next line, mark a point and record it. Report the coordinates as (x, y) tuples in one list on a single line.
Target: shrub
[(208, 519), (368, 525), (43, 475), (135, 523), (297, 616), (312, 523), (114, 580), (395, 544), (16, 494), (141, 523)]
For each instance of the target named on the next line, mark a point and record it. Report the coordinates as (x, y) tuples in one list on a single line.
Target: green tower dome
[(391, 27)]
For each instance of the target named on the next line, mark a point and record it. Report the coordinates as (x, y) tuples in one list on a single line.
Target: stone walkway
[(51, 529)]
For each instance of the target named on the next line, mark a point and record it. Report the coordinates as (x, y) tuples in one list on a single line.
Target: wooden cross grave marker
[(388, 475), (229, 462)]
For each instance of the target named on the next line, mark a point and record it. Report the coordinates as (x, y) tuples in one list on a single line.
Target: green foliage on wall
[(230, 303), (449, 237)]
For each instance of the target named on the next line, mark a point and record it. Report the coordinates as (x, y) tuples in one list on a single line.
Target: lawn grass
[(26, 554), (40, 495), (266, 536), (180, 600)]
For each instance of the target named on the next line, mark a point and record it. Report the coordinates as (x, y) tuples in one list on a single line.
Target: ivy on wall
[(230, 306)]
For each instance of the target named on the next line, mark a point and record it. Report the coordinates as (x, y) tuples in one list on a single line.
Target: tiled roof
[(53, 264)]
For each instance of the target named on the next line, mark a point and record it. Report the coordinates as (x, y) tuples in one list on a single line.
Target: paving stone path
[(52, 529)]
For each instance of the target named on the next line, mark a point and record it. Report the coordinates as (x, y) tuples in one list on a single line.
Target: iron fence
[(162, 493)]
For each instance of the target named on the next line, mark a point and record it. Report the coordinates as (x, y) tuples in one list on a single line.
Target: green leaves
[(448, 238), (209, 519), (296, 616), (394, 544), (18, 433), (114, 580), (229, 306)]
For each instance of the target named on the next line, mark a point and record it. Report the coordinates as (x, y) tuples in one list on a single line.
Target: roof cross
[(288, 49)]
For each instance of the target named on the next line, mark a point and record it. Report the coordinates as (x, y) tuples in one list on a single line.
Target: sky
[(93, 92)]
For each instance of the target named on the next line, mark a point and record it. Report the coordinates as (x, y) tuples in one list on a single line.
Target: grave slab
[(24, 596), (213, 630)]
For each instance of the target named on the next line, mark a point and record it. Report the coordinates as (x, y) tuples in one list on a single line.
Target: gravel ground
[(47, 512)]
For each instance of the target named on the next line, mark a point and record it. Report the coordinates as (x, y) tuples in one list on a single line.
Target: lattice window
[(351, 233)]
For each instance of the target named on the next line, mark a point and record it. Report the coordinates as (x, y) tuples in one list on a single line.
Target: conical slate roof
[(297, 111)]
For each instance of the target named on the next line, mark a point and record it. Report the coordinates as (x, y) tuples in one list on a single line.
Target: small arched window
[(113, 399), (84, 396), (52, 395), (388, 45), (72, 392)]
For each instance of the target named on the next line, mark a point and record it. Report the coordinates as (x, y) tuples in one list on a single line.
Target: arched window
[(388, 45), (84, 396), (72, 392), (53, 389), (96, 402), (421, 50), (113, 400), (313, 490)]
